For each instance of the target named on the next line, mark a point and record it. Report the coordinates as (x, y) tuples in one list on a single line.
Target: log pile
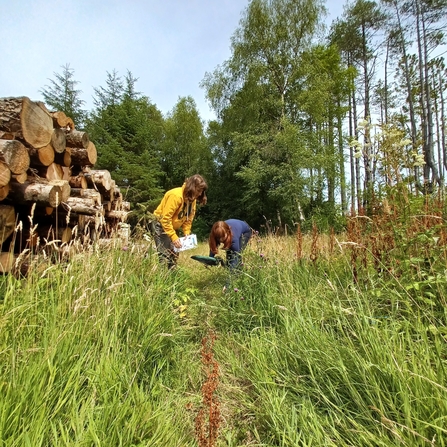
[(49, 187)]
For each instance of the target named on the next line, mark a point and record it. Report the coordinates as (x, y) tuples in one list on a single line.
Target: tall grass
[(315, 359), (90, 352), (317, 342)]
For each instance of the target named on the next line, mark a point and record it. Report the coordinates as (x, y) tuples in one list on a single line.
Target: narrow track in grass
[(219, 408)]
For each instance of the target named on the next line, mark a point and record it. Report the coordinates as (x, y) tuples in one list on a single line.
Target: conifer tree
[(62, 95), (128, 132)]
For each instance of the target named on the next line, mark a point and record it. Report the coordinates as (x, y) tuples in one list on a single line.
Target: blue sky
[(168, 45)]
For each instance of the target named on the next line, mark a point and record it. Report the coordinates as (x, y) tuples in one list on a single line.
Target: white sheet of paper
[(187, 242)]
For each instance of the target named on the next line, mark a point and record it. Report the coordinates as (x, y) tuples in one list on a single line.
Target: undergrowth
[(334, 340)]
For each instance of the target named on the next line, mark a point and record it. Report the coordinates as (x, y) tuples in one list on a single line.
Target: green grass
[(106, 351)]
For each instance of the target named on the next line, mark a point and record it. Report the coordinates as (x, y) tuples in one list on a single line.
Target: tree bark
[(119, 215), (80, 205), (27, 120), (87, 194), (43, 194), (77, 138), (99, 179), (60, 120), (15, 154), (82, 157), (78, 181)]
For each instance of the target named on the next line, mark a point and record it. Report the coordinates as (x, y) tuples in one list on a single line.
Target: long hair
[(220, 234), (194, 186)]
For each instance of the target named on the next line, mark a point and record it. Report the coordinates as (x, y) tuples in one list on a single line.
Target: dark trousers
[(234, 259), (163, 243)]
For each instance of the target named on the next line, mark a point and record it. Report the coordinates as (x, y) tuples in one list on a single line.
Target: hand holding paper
[(187, 242)]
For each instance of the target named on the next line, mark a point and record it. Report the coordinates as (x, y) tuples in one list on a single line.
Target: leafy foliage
[(278, 101), (185, 150)]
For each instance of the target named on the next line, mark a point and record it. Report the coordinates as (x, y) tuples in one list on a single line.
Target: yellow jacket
[(174, 213)]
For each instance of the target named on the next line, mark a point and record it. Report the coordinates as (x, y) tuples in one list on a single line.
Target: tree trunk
[(67, 173), (444, 152), (4, 191), (99, 179), (80, 205), (15, 154), (60, 120), (64, 159), (119, 215), (351, 155), (43, 194), (81, 157), (7, 262), (78, 181), (19, 178), (43, 156), (5, 174), (77, 138), (367, 152), (407, 77), (65, 188), (87, 194), (53, 172), (58, 141), (7, 222), (430, 158), (26, 119)]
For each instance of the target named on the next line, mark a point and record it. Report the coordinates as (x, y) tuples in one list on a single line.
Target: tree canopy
[(310, 125)]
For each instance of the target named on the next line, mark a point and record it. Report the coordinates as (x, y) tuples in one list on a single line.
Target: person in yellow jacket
[(176, 210)]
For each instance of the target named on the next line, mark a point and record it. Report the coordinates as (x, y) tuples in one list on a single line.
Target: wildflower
[(362, 123), (236, 289), (125, 248), (355, 144), (262, 255), (419, 160)]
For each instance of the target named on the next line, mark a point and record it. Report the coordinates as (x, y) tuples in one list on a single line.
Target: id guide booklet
[(187, 242)]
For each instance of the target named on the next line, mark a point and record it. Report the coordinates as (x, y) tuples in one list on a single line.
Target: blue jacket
[(241, 234)]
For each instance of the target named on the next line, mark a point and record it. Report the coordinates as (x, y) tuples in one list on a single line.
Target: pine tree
[(62, 95), (128, 132)]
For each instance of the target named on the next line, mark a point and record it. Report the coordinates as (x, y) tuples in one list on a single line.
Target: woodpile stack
[(49, 188)]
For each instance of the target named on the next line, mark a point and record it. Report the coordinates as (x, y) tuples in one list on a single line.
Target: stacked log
[(49, 187)]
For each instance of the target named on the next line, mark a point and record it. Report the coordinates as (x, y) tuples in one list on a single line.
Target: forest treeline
[(313, 122)]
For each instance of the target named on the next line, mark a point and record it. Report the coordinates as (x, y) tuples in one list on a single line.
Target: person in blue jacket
[(233, 235)]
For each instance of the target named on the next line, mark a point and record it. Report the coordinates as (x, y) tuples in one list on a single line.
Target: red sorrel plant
[(314, 245), (299, 243), (207, 430)]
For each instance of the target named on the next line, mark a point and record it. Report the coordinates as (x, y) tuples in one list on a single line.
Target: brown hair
[(220, 234), (202, 199), (195, 186)]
